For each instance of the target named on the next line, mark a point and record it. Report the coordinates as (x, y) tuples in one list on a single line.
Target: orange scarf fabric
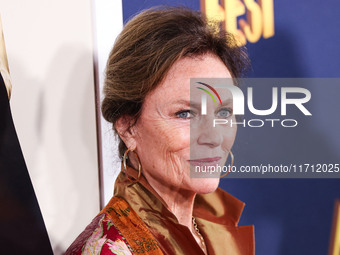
[(217, 215), (131, 227)]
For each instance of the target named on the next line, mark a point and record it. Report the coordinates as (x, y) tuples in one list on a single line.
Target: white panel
[(50, 55), (108, 23)]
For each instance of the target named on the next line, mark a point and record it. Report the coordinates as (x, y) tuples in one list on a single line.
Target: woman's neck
[(179, 202)]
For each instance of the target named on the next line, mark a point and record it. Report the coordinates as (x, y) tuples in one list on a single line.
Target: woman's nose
[(210, 137)]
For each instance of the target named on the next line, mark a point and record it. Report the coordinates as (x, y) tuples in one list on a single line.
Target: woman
[(157, 208)]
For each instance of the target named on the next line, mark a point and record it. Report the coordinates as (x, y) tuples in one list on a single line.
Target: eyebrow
[(198, 105), (188, 103), (227, 101)]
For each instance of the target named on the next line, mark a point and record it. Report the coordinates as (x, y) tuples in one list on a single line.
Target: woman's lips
[(205, 161)]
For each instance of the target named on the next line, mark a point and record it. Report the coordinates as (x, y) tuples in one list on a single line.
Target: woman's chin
[(204, 185)]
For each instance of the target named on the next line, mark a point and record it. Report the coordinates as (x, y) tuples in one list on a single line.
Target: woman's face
[(167, 145)]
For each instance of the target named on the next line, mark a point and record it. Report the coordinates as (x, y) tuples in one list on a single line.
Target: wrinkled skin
[(161, 136)]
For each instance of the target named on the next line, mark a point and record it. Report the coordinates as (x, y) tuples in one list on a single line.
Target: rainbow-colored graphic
[(211, 88)]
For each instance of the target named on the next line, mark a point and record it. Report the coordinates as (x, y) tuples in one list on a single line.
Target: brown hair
[(146, 49)]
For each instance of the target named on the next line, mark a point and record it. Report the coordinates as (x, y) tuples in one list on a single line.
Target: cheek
[(178, 138), (175, 141), (165, 147), (164, 142), (229, 135)]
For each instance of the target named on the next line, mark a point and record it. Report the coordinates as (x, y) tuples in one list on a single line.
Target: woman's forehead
[(177, 81)]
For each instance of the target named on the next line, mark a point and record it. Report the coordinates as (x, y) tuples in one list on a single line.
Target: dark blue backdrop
[(291, 216)]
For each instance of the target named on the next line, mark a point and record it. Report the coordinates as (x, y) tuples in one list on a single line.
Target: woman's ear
[(126, 131)]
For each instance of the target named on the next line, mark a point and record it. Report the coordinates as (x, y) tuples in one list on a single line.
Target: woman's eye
[(184, 114), (224, 113)]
